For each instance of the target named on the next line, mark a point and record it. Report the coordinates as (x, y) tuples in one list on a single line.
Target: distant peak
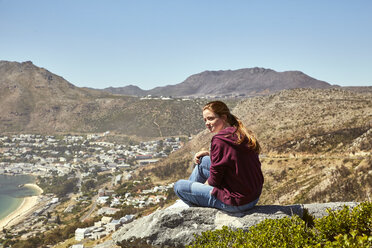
[(258, 69), (27, 63), (251, 70), (132, 86)]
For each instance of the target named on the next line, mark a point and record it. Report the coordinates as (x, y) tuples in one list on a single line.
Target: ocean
[(11, 195)]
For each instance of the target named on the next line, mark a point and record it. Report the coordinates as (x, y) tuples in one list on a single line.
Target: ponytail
[(243, 133)]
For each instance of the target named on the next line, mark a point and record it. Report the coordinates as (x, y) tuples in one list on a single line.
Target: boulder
[(176, 226)]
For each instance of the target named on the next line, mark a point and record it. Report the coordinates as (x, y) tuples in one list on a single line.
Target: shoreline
[(26, 208), (34, 187)]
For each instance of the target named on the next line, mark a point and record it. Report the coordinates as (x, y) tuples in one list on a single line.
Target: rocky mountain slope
[(32, 99), (316, 143), (317, 146), (243, 82), (309, 121)]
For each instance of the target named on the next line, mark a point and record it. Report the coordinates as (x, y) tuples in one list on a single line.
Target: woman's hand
[(200, 154)]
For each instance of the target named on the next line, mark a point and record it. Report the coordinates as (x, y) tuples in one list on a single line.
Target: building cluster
[(144, 198), (102, 228), (61, 155), (47, 155), (34, 223), (194, 97), (107, 224)]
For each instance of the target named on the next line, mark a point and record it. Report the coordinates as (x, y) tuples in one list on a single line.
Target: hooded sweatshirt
[(235, 171)]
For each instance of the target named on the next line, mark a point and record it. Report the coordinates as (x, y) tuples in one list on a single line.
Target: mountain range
[(316, 142), (33, 99), (316, 138), (242, 83)]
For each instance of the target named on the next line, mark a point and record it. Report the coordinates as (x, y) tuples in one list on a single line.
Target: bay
[(11, 195)]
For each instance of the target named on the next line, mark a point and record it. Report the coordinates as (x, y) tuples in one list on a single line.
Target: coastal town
[(42, 155), (105, 193)]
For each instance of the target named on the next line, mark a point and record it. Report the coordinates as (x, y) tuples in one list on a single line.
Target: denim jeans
[(195, 193)]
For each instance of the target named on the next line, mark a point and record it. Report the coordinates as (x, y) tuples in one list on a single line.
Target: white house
[(108, 211), (102, 199), (80, 233), (98, 224), (98, 235), (113, 225), (77, 246), (126, 219), (106, 220), (115, 202), (54, 200)]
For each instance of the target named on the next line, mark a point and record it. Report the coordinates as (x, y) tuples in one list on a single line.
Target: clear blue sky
[(155, 43)]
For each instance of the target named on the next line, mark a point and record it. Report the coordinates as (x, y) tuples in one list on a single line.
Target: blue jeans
[(195, 193)]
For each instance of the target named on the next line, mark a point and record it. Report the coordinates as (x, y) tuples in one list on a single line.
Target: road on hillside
[(87, 215)]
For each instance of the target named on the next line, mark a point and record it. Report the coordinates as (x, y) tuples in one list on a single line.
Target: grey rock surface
[(318, 210), (176, 226)]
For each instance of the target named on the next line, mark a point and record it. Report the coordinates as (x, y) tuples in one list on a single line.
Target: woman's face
[(213, 122)]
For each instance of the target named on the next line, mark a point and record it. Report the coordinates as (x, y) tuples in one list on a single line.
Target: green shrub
[(225, 237), (346, 225), (286, 232), (348, 240), (342, 228)]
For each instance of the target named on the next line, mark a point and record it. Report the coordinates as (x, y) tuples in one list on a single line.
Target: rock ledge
[(175, 226)]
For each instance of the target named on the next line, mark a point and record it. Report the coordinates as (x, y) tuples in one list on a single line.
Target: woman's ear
[(224, 117)]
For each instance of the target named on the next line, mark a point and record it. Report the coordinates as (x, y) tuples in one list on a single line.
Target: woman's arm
[(219, 163), (200, 154)]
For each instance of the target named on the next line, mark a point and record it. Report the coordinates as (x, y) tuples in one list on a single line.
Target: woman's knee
[(181, 186), (205, 162)]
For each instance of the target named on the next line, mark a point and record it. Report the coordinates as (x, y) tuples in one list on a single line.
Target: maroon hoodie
[(235, 171)]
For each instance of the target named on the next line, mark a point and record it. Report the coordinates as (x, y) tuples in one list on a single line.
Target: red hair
[(220, 109)]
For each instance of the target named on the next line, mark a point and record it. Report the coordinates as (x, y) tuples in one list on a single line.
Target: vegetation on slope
[(342, 228), (316, 146)]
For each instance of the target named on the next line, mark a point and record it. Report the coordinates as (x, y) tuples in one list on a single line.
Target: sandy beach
[(27, 206), (35, 187)]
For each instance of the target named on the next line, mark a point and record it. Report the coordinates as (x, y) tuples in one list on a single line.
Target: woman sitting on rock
[(229, 177)]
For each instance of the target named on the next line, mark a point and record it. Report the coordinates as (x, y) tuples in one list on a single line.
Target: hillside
[(316, 146), (242, 82), (309, 121), (32, 99), (316, 142)]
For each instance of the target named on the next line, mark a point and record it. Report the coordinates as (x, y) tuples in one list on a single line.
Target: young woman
[(229, 177)]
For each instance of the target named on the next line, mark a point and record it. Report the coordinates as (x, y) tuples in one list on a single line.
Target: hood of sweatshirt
[(227, 135)]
